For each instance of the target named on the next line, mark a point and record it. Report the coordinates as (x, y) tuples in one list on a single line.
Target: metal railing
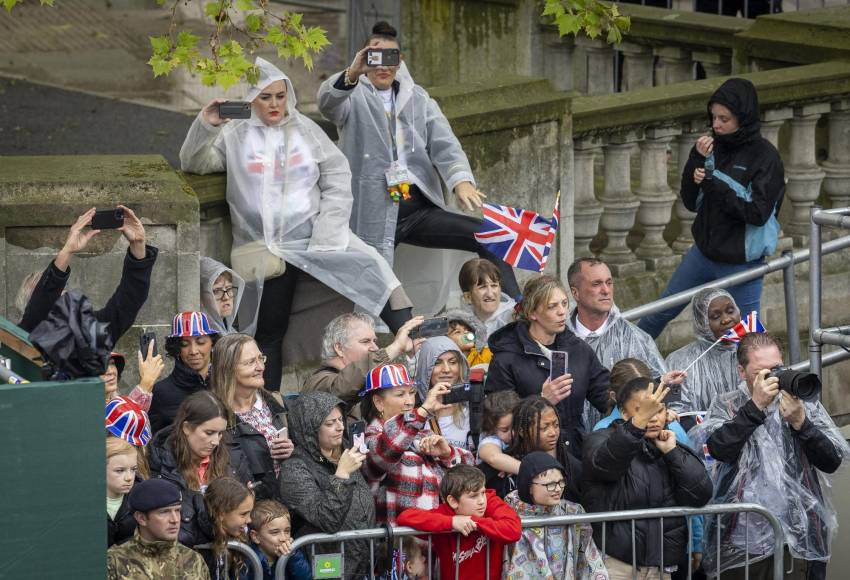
[(374, 534), (244, 550)]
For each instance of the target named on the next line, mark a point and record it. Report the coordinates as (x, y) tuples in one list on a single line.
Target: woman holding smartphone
[(257, 421)]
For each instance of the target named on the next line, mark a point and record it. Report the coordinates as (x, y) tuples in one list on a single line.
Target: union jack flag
[(520, 237), (749, 324)]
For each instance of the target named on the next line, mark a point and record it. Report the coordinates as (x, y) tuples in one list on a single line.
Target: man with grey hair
[(350, 350)]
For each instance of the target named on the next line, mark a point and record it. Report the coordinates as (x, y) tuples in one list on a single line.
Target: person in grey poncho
[(289, 192), (321, 483), (395, 136), (775, 450), (221, 293), (714, 312)]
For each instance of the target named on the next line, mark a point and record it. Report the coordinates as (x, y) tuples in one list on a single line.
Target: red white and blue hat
[(386, 377), (125, 419), (191, 324)]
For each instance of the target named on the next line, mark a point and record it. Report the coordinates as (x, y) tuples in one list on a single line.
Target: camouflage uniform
[(138, 559)]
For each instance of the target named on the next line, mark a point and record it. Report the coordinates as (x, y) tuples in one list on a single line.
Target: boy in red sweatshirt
[(477, 514)]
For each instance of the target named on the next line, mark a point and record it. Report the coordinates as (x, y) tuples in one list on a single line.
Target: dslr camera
[(804, 386)]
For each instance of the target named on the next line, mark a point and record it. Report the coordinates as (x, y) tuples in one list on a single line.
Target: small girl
[(408, 561), (229, 503), (497, 432), (121, 474)]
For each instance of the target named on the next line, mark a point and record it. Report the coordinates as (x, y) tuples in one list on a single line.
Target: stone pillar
[(714, 63), (803, 173), (587, 210), (684, 143), (638, 66), (836, 184), (558, 60), (597, 66), (772, 121), (620, 205), (674, 65), (656, 198)]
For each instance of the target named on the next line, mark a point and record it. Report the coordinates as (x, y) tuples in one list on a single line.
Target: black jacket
[(253, 445), (194, 527), (518, 364), (624, 471), (121, 310), (122, 528), (170, 392), (725, 228)]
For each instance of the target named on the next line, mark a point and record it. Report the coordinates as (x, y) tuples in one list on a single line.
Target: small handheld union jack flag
[(520, 237), (749, 324)]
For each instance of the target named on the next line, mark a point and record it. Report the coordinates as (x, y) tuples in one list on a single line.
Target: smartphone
[(144, 341), (234, 110), (383, 57), (460, 393), (282, 433), (431, 327), (358, 436), (107, 219), (559, 364)]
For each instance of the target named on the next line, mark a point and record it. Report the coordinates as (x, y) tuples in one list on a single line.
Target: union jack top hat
[(386, 377), (191, 324), (125, 419)]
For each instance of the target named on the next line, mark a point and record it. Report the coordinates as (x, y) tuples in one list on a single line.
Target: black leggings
[(421, 223), (273, 321)]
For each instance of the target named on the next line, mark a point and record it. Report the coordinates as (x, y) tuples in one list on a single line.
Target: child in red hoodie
[(477, 514)]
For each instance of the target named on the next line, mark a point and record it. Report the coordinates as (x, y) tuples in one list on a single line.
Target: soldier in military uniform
[(154, 553)]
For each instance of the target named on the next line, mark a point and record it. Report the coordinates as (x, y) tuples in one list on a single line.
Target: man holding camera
[(772, 448)]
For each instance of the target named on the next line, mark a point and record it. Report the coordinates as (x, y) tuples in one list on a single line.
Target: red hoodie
[(500, 523)]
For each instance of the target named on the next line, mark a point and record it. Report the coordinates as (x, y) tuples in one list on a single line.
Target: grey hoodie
[(320, 501), (210, 271), (427, 357)]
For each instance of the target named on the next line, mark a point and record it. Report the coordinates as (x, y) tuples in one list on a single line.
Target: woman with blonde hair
[(257, 422), (522, 358)]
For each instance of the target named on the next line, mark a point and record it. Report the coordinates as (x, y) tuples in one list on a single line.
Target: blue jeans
[(695, 270)]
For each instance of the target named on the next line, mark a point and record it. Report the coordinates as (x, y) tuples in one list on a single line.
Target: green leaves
[(589, 16), (9, 4)]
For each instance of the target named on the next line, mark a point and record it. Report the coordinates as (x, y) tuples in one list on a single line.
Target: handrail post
[(815, 349), (791, 323)]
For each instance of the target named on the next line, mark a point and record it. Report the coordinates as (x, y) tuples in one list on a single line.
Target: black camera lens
[(806, 386)]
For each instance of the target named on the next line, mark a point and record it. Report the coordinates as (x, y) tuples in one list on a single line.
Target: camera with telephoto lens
[(472, 393), (804, 386)]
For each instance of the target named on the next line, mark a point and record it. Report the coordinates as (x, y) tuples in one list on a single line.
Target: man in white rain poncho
[(395, 136), (221, 293), (714, 312), (289, 191), (772, 449)]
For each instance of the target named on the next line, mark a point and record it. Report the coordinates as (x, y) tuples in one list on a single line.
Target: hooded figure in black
[(735, 182)]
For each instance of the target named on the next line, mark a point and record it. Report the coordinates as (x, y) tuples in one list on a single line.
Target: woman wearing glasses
[(256, 422), (221, 293)]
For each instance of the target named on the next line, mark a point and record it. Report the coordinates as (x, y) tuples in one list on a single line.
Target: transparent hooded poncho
[(289, 192), (773, 471), (210, 272), (713, 374)]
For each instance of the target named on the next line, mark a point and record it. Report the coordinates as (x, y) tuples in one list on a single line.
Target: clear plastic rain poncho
[(433, 156), (716, 372), (210, 271), (772, 471), (289, 191)]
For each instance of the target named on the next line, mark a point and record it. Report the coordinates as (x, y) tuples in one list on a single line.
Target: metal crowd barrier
[(244, 550), (373, 534)]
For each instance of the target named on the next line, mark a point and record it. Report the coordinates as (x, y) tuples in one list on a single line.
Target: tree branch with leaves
[(591, 17)]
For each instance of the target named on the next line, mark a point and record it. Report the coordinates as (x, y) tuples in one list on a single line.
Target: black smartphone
[(357, 428), (431, 327), (107, 219), (144, 341), (383, 57), (559, 364), (460, 393), (234, 110)]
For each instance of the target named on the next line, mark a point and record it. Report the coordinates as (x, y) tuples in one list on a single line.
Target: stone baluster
[(656, 198), (587, 210), (638, 65), (596, 67), (558, 62), (620, 205), (803, 173), (674, 65), (772, 121), (836, 184), (684, 143), (714, 63)]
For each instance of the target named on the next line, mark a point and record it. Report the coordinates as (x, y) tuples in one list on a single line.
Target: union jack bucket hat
[(191, 324), (386, 377), (125, 419)]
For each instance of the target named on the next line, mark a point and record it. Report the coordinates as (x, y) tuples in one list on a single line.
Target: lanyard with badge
[(398, 178)]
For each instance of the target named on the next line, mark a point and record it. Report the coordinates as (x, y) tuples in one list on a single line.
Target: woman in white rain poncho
[(387, 121), (289, 191), (714, 312), (221, 293)]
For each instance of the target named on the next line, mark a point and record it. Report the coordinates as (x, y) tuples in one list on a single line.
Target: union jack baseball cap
[(190, 324), (386, 377), (125, 419)]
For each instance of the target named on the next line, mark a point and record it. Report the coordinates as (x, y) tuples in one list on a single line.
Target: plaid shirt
[(399, 475)]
